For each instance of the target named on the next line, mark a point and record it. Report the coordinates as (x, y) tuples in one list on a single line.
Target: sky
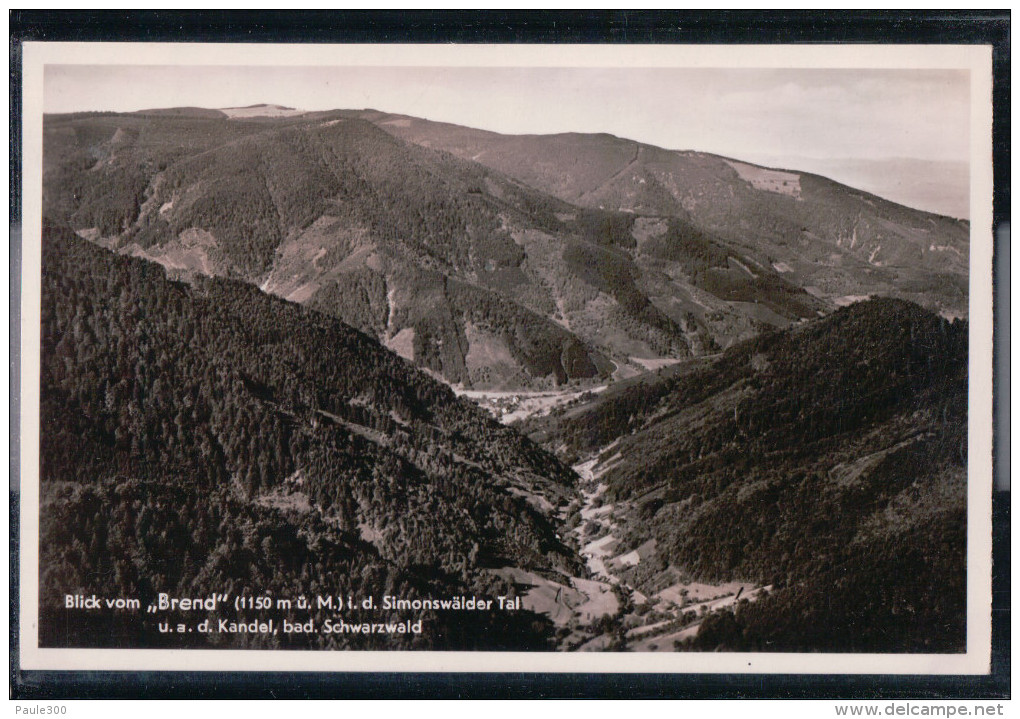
[(813, 113)]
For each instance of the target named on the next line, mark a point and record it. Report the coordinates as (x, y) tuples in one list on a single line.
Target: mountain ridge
[(522, 164), (342, 211)]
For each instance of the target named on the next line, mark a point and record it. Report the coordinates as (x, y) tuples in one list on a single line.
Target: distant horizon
[(943, 189), (818, 113), (298, 110)]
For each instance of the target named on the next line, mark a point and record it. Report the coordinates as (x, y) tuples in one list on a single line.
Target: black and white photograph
[(507, 359)]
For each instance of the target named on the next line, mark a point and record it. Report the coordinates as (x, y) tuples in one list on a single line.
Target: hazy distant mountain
[(493, 261)]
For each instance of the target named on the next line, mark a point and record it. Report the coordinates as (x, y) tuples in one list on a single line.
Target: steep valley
[(820, 462), (198, 437)]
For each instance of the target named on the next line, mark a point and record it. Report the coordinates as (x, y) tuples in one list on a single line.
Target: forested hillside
[(828, 461), (484, 280), (207, 437), (818, 234)]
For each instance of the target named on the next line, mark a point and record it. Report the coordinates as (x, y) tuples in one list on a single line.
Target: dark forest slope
[(828, 461), (209, 438)]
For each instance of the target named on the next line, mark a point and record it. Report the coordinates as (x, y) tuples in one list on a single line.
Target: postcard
[(504, 358)]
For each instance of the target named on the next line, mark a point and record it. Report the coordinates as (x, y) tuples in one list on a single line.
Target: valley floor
[(655, 622), (603, 611), (509, 406)]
